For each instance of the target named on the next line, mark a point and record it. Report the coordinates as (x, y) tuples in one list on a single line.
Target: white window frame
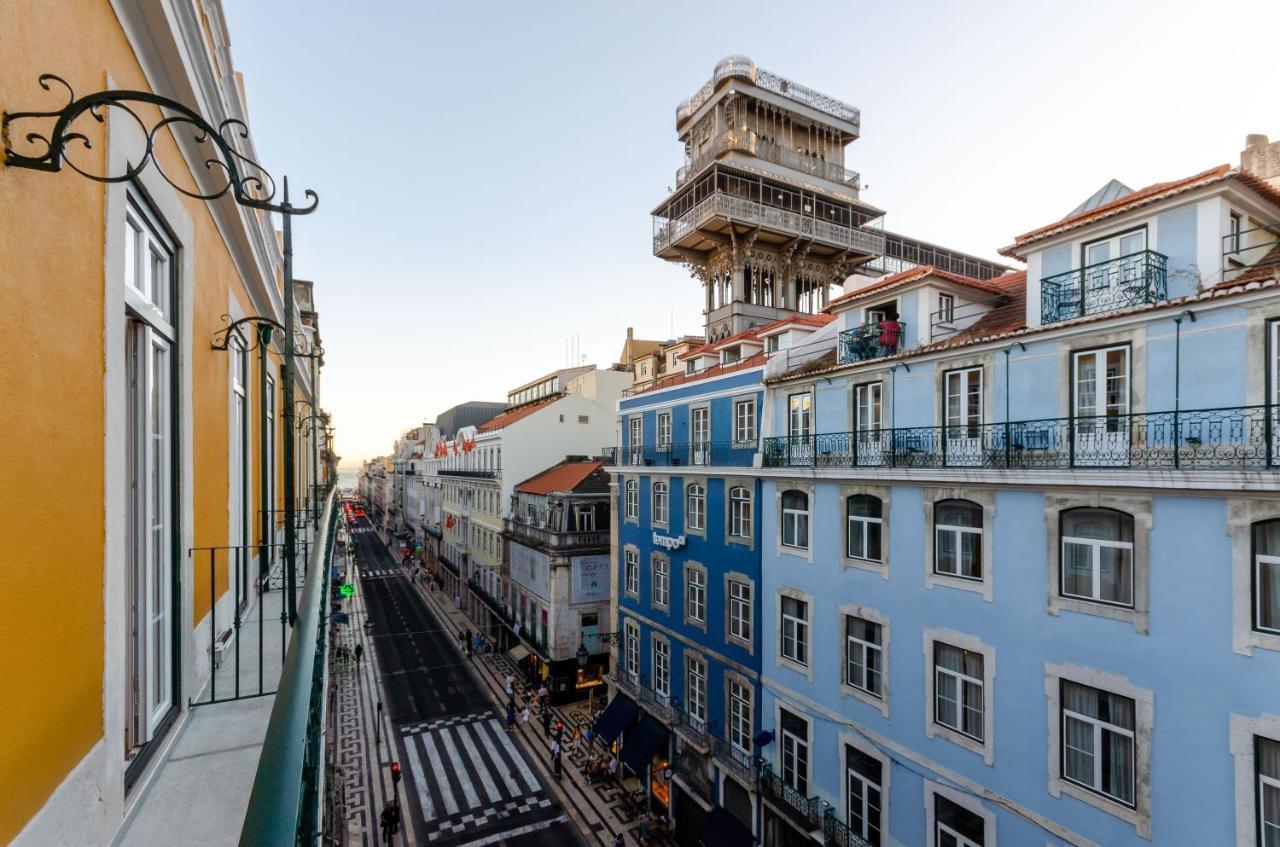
[(631, 572), (744, 421), (664, 431), (660, 501), (957, 533), (738, 706), (934, 728), (880, 786), (660, 583), (661, 658), (868, 407), (631, 649), (964, 800), (794, 629), (1095, 547), (867, 523), (794, 751), (631, 500), (700, 427), (696, 689), (792, 517), (695, 507), (741, 611), (741, 512), (860, 648), (957, 384), (1099, 728), (800, 414), (695, 593), (946, 308)]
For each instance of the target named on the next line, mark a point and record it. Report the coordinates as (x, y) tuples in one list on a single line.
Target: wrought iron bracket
[(247, 181), (222, 338)]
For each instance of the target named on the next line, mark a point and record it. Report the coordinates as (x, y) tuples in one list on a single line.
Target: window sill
[(974, 586), (1115, 808), (1133, 617), (741, 541), (881, 568), (1253, 639), (937, 730), (735, 641), (880, 704), (804, 670), (696, 624)]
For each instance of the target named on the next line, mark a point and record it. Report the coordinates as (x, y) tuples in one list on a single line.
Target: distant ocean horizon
[(347, 477)]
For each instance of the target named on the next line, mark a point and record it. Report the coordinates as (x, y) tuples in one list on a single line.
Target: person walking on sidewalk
[(546, 722), (359, 654), (390, 822), (466, 640), (511, 686), (555, 765), (524, 714), (511, 715), (543, 694)]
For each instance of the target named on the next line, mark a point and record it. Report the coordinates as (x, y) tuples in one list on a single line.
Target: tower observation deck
[(765, 213)]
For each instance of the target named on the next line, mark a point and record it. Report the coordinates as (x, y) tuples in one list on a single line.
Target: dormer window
[(946, 308), (1234, 227), (773, 343), (1115, 272), (690, 366), (730, 355)]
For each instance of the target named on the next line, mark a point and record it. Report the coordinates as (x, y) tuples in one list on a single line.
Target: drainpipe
[(1177, 380)]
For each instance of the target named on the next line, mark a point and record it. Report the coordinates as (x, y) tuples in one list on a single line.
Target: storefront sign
[(668, 542), (590, 579)]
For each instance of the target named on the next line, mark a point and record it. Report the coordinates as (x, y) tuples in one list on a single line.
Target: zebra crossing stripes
[(470, 777)]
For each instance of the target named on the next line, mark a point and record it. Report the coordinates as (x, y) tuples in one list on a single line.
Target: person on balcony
[(890, 336)]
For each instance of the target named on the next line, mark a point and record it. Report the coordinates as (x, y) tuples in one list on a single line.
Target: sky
[(486, 170)]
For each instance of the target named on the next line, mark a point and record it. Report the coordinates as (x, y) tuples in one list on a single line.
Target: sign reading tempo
[(668, 542)]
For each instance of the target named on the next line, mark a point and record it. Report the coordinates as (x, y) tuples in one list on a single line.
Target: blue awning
[(722, 829), (615, 717), (647, 738)]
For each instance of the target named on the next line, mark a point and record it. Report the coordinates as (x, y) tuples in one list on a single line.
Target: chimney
[(1261, 157)]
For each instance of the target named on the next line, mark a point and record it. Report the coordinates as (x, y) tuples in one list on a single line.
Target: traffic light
[(395, 773)]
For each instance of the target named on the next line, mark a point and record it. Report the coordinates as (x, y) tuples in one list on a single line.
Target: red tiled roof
[(510, 416), (911, 275), (693, 352), (1008, 316), (754, 360), (565, 476), (815, 321)]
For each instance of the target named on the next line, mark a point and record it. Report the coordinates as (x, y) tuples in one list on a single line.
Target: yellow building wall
[(52, 533)]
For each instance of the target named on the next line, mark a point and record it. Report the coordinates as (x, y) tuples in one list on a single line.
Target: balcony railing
[(721, 204), (870, 341), (739, 761), (732, 454), (1132, 280), (806, 811), (474, 474), (609, 456), (557, 539), (1245, 438), (745, 141), (835, 833)]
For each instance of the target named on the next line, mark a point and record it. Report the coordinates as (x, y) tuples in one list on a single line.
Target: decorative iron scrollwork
[(247, 181), (264, 330)]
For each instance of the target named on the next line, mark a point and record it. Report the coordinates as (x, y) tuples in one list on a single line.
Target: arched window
[(632, 499), (740, 512), (696, 507), (1097, 555), (661, 502), (795, 519), (864, 524), (1266, 576), (957, 528)]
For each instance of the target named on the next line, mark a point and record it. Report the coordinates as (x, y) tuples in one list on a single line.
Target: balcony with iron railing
[(747, 142), (836, 833), (555, 539), (733, 758), (804, 811), (471, 473), (870, 341), (762, 213), (258, 723), (732, 454), (1245, 438), (1134, 280)]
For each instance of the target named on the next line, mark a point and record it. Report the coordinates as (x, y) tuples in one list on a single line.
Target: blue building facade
[(1018, 574), (687, 576)]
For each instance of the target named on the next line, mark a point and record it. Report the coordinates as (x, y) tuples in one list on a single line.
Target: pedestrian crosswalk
[(468, 774), (372, 572)]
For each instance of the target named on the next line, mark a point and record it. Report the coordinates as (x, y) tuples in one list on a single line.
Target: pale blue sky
[(486, 170)]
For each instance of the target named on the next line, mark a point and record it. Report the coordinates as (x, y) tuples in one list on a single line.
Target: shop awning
[(518, 652), (641, 743), (722, 829), (616, 715)]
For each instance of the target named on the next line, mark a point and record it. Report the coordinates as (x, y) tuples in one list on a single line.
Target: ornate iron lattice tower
[(764, 212)]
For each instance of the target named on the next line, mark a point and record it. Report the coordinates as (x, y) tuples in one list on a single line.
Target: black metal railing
[(471, 474), (284, 805), (1131, 280), (566, 539), (1238, 438), (609, 455), (870, 341), (734, 454), (804, 810), (836, 833), (727, 754)]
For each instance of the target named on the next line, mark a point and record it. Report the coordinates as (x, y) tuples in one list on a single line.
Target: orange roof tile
[(754, 360), (911, 275), (566, 476), (510, 416)]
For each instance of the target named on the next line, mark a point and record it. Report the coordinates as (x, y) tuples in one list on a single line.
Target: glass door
[(1101, 414), (870, 437), (700, 425), (962, 425), (800, 428)]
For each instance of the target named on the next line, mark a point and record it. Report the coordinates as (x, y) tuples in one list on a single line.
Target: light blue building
[(1020, 540)]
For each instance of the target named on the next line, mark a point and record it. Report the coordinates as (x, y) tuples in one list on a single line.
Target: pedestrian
[(359, 653), (644, 827), (546, 722), (457, 601), (620, 841), (559, 731), (390, 822), (576, 739), (466, 639), (511, 715), (555, 765), (511, 685), (479, 642), (524, 714), (542, 695), (613, 768), (591, 736), (555, 748)]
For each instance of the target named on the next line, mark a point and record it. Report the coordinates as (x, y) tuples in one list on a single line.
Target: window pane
[(958, 819), (958, 513), (1077, 749), (1116, 577)]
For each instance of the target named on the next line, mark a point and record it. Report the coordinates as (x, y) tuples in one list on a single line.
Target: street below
[(467, 781)]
